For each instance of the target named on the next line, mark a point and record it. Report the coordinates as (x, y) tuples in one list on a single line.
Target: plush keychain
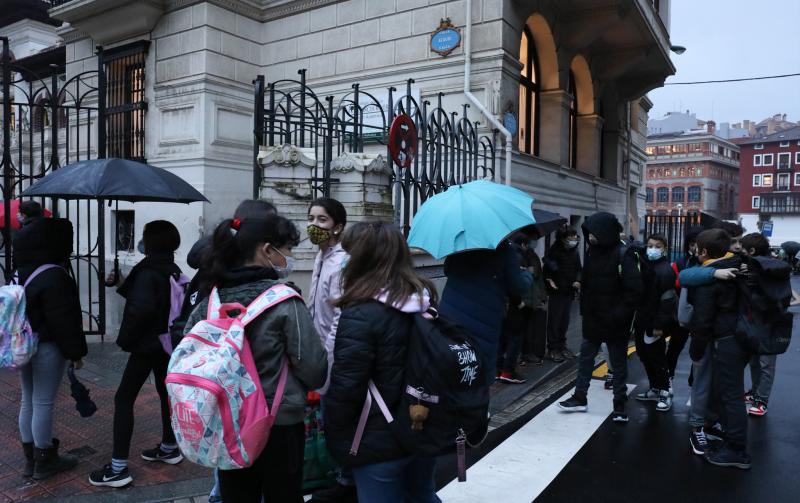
[(418, 413)]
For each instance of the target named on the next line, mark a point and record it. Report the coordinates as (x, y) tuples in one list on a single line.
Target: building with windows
[(770, 184), (568, 79), (692, 172)]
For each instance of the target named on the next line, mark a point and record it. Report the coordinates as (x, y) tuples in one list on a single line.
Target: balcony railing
[(780, 203)]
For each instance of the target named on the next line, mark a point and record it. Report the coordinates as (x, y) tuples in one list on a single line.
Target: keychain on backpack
[(419, 414)]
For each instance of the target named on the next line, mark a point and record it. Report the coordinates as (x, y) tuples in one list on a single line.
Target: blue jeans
[(406, 480), (40, 378)]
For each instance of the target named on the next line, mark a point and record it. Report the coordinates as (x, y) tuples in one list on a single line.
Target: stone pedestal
[(361, 182)]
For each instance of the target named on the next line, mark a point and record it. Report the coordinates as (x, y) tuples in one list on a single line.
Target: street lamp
[(680, 210), (677, 49)]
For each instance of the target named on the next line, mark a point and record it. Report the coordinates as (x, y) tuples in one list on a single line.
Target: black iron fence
[(675, 228), (449, 151), (49, 122)]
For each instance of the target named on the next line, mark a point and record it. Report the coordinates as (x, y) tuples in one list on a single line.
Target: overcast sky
[(727, 39)]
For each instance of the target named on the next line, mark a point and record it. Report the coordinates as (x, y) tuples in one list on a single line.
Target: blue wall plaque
[(446, 38), (510, 122)]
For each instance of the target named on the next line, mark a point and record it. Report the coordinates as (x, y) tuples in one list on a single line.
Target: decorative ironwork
[(48, 123), (450, 150), (674, 228), (125, 100)]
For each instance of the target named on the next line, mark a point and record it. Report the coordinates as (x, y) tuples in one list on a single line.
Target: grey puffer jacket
[(286, 329)]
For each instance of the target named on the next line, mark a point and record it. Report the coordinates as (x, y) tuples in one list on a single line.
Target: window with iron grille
[(677, 194), (125, 100), (663, 195)]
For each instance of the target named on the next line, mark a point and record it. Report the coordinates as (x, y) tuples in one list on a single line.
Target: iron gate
[(449, 150), (49, 122), (675, 227)]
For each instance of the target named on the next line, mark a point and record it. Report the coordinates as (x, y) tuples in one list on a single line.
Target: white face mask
[(654, 253), (284, 272), (571, 243)]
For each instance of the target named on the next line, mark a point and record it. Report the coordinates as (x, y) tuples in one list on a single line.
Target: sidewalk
[(90, 438)]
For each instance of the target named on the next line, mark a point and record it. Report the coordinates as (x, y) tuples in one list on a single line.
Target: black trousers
[(730, 360), (535, 338), (558, 312), (133, 378), (277, 474), (677, 342), (654, 359)]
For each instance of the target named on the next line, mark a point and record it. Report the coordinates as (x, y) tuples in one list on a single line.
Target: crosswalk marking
[(521, 467)]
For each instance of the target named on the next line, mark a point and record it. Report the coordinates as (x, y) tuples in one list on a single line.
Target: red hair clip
[(236, 224)]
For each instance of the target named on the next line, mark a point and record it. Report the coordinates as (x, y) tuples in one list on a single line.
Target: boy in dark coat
[(562, 269), (713, 327), (612, 288), (655, 321)]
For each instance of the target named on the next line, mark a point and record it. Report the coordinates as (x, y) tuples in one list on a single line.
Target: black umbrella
[(546, 222), (114, 179), (791, 247), (84, 405)]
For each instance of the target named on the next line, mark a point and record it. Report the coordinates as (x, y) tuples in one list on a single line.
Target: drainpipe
[(471, 97)]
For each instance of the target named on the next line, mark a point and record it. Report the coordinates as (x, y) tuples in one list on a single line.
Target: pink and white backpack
[(219, 414)]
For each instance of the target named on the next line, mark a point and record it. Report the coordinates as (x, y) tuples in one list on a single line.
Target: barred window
[(125, 100)]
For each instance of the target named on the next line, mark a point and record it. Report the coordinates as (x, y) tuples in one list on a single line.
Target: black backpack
[(764, 326), (445, 404)]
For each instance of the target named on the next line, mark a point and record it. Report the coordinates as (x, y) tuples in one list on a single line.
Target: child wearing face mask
[(655, 322), (562, 270), (326, 221), (249, 256)]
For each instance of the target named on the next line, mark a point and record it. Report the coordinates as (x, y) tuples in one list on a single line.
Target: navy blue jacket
[(478, 285)]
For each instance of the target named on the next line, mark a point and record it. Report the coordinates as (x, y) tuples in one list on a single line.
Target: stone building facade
[(692, 172)]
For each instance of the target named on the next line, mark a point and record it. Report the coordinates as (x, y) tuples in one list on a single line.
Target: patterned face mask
[(318, 235)]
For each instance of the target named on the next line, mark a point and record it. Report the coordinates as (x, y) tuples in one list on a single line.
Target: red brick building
[(770, 184), (692, 172)]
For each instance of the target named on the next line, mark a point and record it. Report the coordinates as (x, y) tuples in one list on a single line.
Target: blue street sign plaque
[(446, 38), (510, 123), (766, 229)]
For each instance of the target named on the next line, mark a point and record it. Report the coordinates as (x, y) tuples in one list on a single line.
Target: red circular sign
[(403, 141)]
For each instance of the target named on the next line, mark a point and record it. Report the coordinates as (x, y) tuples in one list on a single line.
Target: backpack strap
[(38, 271), (372, 391), (270, 298)]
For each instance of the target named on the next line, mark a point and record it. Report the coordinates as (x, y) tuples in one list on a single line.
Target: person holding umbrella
[(470, 224), (147, 306)]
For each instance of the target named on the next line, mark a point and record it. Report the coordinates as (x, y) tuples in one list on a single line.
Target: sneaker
[(609, 382), (619, 415), (171, 458), (574, 404), (650, 395), (714, 432), (569, 355), (729, 457), (698, 441), (664, 401), (108, 478), (497, 377), (511, 378), (555, 356), (758, 408), (749, 399)]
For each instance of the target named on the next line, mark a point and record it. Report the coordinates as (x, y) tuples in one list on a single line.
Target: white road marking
[(520, 468)]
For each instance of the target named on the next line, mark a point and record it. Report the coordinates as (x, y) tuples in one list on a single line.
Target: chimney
[(784, 117), (711, 127)]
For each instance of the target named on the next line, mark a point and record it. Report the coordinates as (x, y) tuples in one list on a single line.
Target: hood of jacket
[(42, 241), (605, 227), (729, 261), (413, 304), (162, 262)]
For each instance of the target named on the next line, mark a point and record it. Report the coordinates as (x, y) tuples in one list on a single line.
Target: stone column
[(554, 126), (590, 132)]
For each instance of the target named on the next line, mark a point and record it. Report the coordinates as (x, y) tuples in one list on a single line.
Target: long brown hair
[(380, 262)]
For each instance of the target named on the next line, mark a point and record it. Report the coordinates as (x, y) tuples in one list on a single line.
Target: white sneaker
[(650, 395), (664, 401)]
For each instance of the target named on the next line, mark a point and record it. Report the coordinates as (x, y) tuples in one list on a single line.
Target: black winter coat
[(716, 307), (53, 305), (563, 266), (611, 292), (147, 301), (371, 343), (659, 308)]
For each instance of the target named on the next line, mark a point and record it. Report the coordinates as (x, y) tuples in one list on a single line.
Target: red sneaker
[(757, 409)]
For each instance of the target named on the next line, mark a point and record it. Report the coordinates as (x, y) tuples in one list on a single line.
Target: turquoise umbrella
[(476, 215)]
